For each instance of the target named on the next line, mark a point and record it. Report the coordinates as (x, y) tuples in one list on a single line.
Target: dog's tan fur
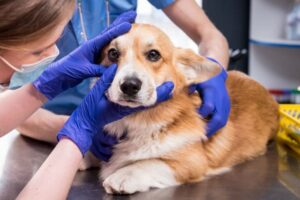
[(252, 122)]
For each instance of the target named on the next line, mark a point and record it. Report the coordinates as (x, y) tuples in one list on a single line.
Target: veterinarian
[(27, 41), (89, 19)]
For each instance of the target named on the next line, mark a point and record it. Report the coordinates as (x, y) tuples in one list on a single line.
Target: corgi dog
[(166, 145)]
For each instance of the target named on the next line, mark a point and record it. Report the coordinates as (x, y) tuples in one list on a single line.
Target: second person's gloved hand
[(96, 111), (215, 101), (81, 63)]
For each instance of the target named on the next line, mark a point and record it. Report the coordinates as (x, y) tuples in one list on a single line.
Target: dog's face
[(146, 58)]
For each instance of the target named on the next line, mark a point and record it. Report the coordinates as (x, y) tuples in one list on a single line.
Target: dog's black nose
[(131, 86)]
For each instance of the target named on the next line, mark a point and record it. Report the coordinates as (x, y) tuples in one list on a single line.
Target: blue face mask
[(30, 72)]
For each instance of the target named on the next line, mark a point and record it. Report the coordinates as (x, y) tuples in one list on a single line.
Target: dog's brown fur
[(252, 123), (253, 117)]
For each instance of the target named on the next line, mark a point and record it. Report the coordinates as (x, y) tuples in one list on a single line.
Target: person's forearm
[(18, 105), (54, 178), (215, 45), (193, 21), (43, 125)]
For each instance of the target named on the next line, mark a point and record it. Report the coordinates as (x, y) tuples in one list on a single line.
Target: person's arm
[(43, 125), (54, 178), (18, 105), (193, 21)]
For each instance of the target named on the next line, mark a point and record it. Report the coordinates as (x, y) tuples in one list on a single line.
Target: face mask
[(26, 68), (30, 72)]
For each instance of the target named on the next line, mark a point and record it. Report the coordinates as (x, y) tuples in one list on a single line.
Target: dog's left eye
[(153, 55), (113, 55)]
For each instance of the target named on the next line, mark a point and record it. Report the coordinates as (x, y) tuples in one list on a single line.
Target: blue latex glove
[(80, 64), (102, 146), (215, 101), (96, 111)]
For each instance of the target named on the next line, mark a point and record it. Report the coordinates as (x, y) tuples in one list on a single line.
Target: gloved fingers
[(98, 91), (214, 124), (98, 148), (105, 139), (94, 70), (208, 107), (124, 17), (99, 154), (106, 79), (128, 16), (106, 150), (99, 42), (164, 91)]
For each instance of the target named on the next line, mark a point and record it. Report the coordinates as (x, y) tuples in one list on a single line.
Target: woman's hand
[(96, 111), (81, 63)]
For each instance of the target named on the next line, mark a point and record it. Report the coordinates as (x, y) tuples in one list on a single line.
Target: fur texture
[(166, 144)]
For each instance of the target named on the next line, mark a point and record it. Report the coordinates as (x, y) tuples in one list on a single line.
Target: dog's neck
[(155, 120)]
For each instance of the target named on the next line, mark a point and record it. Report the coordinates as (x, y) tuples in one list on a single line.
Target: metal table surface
[(261, 178)]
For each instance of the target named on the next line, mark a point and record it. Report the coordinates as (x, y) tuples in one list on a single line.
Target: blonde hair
[(26, 21)]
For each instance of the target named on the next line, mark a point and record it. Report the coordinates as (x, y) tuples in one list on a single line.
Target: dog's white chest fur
[(143, 141)]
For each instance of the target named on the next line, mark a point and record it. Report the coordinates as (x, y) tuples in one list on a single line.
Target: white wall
[(149, 14)]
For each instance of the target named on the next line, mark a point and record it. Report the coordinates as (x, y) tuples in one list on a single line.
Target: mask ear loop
[(43, 60), (10, 65)]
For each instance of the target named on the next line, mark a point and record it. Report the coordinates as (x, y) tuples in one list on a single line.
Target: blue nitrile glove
[(128, 16), (215, 101), (96, 111), (102, 146), (81, 63)]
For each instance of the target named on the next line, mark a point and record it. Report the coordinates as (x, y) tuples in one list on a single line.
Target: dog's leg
[(140, 177)]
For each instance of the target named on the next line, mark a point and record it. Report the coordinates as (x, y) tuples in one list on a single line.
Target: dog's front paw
[(126, 181)]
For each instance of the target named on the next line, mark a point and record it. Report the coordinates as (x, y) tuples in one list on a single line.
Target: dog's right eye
[(113, 55), (153, 55)]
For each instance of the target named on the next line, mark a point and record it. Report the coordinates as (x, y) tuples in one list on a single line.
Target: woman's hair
[(23, 21)]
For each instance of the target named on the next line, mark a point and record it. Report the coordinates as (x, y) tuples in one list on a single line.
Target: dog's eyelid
[(154, 49)]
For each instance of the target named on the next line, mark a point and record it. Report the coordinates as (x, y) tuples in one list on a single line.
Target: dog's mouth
[(129, 102), (123, 100)]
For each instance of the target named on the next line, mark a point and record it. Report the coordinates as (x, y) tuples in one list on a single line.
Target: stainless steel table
[(21, 157)]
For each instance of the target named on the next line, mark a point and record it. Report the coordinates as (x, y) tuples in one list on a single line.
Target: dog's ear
[(194, 67)]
